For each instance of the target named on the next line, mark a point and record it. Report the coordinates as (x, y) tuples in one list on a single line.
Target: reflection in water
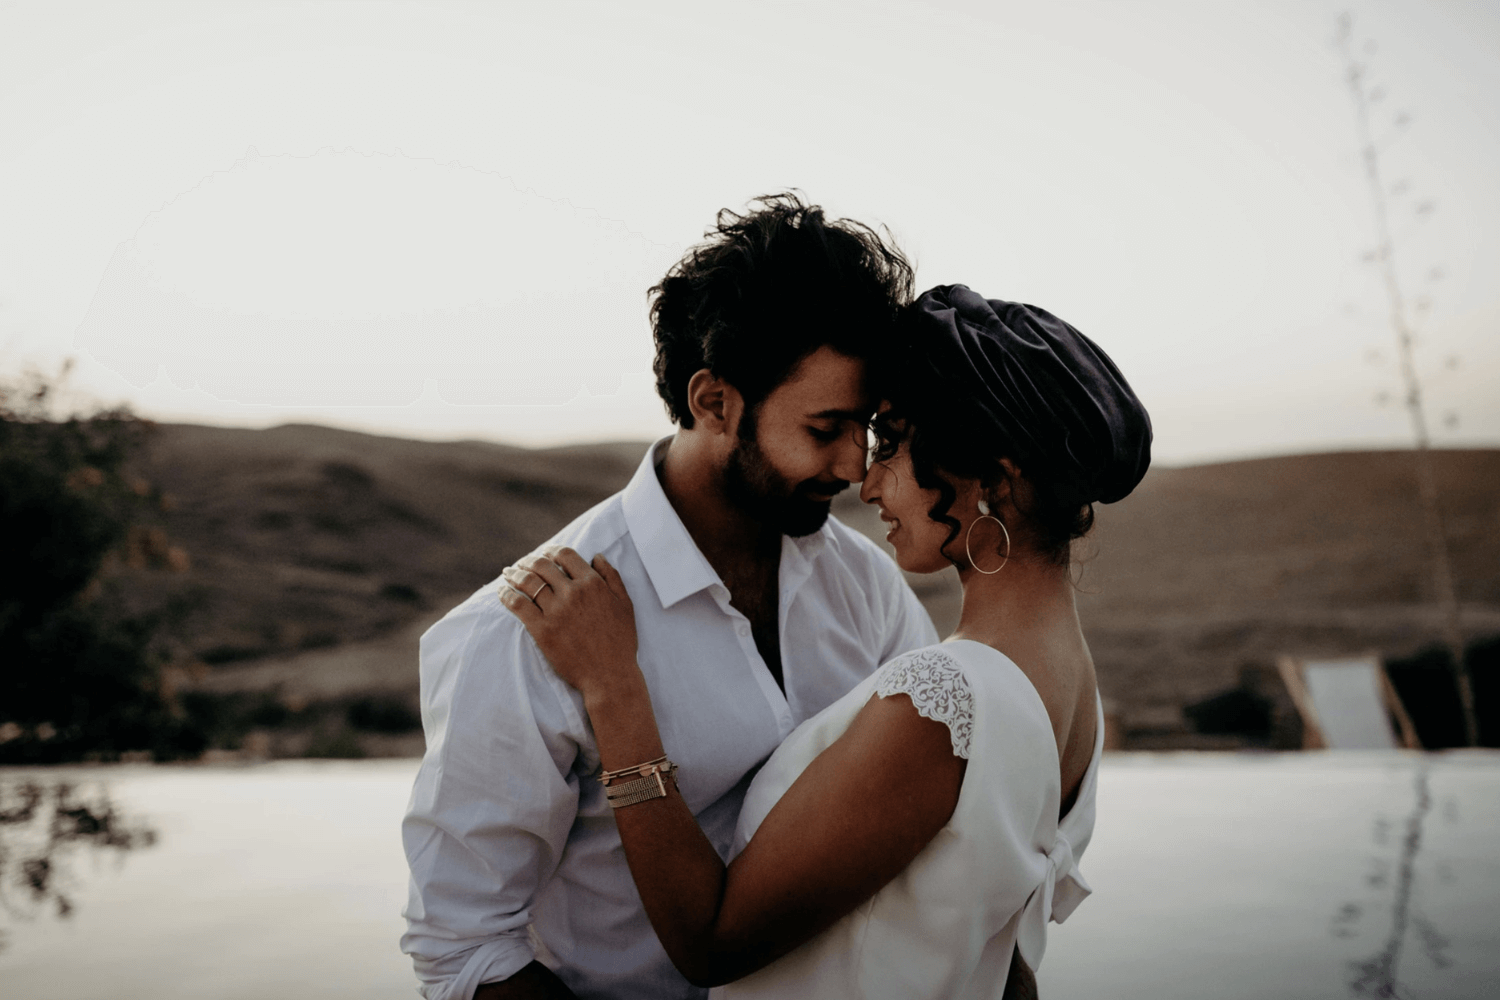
[(1376, 975), (42, 827)]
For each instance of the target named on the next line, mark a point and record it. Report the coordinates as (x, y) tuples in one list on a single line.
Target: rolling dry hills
[(317, 556)]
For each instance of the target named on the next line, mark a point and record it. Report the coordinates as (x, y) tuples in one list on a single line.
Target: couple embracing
[(707, 737)]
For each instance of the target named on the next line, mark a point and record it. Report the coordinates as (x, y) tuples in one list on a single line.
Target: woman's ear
[(1003, 490), (1011, 492), (707, 399)]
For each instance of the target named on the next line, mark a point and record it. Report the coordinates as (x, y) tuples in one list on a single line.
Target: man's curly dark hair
[(766, 289)]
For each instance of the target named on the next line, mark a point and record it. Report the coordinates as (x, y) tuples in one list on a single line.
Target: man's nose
[(869, 490), (849, 461)]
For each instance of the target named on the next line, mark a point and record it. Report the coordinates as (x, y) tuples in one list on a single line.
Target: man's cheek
[(792, 461)]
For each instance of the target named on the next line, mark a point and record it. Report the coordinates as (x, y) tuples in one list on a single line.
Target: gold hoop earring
[(984, 513)]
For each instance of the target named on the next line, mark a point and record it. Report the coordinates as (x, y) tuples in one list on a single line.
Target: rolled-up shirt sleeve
[(493, 802)]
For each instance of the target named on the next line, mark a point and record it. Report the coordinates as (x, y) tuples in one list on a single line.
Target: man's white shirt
[(508, 837)]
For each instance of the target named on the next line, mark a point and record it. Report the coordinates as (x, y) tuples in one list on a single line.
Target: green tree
[(79, 675)]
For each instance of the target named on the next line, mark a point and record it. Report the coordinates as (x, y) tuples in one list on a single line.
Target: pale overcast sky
[(440, 220)]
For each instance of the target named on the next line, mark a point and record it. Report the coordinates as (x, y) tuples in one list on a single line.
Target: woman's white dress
[(987, 883)]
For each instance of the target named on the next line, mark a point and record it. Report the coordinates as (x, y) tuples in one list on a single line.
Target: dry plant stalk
[(1384, 256)]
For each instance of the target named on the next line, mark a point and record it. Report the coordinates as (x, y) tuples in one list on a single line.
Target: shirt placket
[(796, 569), (758, 669)]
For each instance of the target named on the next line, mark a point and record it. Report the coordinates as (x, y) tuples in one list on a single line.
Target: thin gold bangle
[(642, 770)]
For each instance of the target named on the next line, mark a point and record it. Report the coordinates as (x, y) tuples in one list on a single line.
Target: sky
[(440, 220)]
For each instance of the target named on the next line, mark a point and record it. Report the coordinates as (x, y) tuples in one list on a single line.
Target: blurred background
[(314, 316)]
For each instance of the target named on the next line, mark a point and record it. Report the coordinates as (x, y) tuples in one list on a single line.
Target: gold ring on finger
[(539, 590)]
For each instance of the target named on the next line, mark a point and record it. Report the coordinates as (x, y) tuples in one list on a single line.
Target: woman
[(913, 839)]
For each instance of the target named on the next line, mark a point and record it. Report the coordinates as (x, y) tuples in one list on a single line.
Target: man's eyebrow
[(859, 416)]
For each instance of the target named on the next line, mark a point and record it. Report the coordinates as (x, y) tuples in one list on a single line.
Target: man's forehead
[(828, 385), (859, 413)]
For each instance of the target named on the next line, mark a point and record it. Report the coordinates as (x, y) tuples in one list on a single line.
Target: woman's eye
[(824, 436)]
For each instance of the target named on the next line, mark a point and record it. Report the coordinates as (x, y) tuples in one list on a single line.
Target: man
[(754, 611)]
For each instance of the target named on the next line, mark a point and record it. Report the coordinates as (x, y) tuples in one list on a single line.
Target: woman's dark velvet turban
[(1039, 385)]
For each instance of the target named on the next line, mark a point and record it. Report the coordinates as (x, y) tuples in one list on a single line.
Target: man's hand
[(534, 982)]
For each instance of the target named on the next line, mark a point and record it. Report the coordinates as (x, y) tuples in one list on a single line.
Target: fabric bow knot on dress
[(1055, 899)]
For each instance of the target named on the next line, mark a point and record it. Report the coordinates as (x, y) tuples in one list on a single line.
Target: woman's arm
[(854, 820)]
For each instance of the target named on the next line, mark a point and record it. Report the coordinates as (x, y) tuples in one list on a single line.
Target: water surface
[(1216, 876)]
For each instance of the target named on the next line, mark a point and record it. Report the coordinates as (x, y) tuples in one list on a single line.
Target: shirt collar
[(673, 561), (799, 554)]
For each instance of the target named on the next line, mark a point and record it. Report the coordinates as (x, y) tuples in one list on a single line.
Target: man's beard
[(754, 485)]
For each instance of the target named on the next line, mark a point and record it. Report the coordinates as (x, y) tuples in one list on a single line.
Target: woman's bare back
[(1057, 661)]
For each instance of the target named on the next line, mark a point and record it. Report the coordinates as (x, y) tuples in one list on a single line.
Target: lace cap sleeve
[(939, 690)]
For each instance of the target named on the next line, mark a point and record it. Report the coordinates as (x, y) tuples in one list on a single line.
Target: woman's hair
[(766, 289), (941, 425), (977, 381)]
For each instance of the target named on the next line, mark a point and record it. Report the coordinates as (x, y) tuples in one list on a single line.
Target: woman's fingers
[(526, 582), (520, 606), (566, 574), (546, 569), (581, 617), (571, 562), (611, 576)]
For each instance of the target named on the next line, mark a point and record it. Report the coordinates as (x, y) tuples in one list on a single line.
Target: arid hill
[(304, 537), (1207, 569), (314, 551)]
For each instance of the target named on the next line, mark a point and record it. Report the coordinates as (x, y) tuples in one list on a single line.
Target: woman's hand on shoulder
[(579, 614)]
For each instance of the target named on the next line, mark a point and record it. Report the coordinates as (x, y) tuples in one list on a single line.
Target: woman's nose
[(850, 463), (869, 490)]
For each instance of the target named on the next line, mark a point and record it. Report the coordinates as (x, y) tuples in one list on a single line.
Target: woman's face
[(891, 485)]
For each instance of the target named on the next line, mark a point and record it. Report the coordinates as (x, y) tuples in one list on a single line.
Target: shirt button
[(744, 630)]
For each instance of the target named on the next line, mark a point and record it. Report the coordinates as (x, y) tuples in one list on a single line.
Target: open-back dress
[(992, 877)]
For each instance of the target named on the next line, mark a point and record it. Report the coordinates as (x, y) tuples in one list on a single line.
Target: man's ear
[(714, 403)]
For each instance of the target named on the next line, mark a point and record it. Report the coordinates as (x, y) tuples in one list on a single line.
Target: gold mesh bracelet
[(652, 786)]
